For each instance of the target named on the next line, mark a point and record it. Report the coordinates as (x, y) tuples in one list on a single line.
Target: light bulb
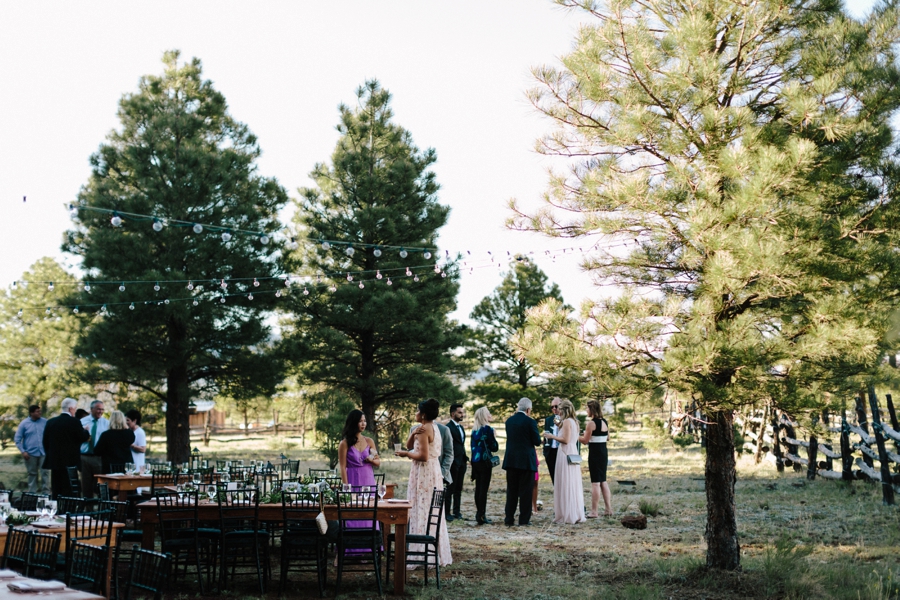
[(222, 299), (349, 251), (19, 313), (263, 239), (427, 255), (156, 287), (332, 288), (437, 269), (416, 278), (378, 275), (349, 277), (196, 303), (50, 287), (75, 310), (361, 285), (408, 272), (131, 306), (376, 252), (198, 228), (223, 285), (255, 282), (157, 225), (326, 246), (73, 211), (116, 221), (103, 308), (292, 245), (87, 287), (389, 282), (122, 287), (278, 294), (287, 282), (249, 296), (47, 311), (166, 301), (226, 236), (443, 275), (305, 292), (403, 253), (190, 285)]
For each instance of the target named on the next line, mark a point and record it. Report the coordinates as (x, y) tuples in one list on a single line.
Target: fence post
[(887, 490), (776, 443), (863, 424), (811, 454), (762, 432), (792, 448), (893, 416), (846, 459)]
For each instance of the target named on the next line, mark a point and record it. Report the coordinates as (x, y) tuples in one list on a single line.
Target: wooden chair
[(16, 550), (148, 572), (43, 553), (303, 547), (429, 541), (179, 534), (70, 505), (242, 543), (86, 567), (359, 539)]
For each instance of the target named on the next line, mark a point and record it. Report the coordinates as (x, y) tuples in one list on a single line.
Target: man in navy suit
[(63, 436), (460, 460), (520, 462)]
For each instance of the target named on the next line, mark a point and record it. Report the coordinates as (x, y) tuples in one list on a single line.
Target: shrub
[(649, 508)]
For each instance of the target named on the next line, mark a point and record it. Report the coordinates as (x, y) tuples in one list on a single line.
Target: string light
[(116, 220), (50, 287), (156, 287), (326, 246), (305, 292), (263, 239), (122, 287), (255, 282), (378, 275), (361, 285), (389, 282), (226, 236), (249, 296), (377, 252), (350, 251), (198, 228), (157, 225), (131, 306), (403, 253), (87, 287)]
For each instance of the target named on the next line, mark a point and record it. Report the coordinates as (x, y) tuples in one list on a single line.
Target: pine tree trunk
[(367, 374), (178, 429), (723, 550)]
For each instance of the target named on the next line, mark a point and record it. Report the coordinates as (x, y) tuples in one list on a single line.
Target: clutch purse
[(573, 459)]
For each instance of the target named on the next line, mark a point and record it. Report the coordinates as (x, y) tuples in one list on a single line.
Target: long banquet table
[(394, 512)]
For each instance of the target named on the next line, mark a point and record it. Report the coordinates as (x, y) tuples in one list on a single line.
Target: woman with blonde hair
[(596, 432), (568, 490), (484, 442), (114, 445)]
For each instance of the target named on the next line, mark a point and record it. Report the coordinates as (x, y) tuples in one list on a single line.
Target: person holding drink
[(357, 457)]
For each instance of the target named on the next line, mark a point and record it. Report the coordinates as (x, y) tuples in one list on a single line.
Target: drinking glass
[(398, 447), (196, 478), (241, 463), (4, 497), (227, 465), (184, 468), (346, 487), (211, 492), (382, 490), (226, 477), (52, 508), (129, 468)]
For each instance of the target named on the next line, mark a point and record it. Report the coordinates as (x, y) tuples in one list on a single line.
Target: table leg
[(400, 558), (123, 496), (148, 540)]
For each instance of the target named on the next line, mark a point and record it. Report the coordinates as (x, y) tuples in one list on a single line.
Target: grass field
[(799, 539)]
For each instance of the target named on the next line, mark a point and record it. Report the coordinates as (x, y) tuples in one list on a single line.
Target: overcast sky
[(457, 70)]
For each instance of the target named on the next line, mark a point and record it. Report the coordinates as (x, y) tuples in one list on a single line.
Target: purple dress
[(359, 472)]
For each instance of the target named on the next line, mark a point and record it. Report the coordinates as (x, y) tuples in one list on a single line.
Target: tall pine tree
[(190, 316), (735, 158), (375, 323)]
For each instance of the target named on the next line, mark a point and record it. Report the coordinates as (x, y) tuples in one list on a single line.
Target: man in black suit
[(520, 462), (63, 436), (460, 460), (551, 447)]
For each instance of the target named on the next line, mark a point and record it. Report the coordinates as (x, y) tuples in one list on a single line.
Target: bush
[(658, 434), (649, 508), (683, 440)]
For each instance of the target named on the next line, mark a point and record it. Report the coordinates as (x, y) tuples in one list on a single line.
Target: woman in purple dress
[(357, 456)]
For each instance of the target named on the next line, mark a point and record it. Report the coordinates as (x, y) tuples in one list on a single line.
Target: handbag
[(573, 459), (495, 460)]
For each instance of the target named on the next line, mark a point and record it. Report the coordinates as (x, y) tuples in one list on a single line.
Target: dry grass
[(799, 539)]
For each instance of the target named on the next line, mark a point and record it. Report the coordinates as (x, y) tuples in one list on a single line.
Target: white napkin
[(116, 474), (8, 574), (33, 585)]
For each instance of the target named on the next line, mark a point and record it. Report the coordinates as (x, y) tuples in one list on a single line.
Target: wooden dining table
[(60, 528), (122, 483), (390, 513), (64, 594)]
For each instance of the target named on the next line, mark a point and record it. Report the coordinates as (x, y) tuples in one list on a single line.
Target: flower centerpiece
[(16, 517)]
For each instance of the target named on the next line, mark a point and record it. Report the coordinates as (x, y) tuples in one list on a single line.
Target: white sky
[(457, 71)]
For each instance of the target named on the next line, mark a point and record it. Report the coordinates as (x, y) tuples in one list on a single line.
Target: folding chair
[(303, 547), (429, 541), (242, 542), (148, 572), (86, 568), (359, 539)]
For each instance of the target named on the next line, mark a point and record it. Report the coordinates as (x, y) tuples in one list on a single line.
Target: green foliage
[(498, 318), (37, 360), (649, 508), (784, 565), (333, 405), (682, 440), (179, 155), (384, 344), (658, 434)]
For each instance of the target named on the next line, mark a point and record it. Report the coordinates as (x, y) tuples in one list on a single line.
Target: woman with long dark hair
[(357, 454)]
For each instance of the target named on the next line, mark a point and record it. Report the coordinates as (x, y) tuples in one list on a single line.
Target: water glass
[(226, 477), (211, 492), (398, 448), (129, 468), (52, 508), (346, 487), (382, 490), (196, 478)]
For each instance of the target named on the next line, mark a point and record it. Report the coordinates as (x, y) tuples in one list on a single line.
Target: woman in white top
[(139, 447)]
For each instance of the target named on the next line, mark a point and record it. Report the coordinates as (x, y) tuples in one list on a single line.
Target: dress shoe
[(458, 516), (486, 521), (450, 518), (508, 524), (525, 525)]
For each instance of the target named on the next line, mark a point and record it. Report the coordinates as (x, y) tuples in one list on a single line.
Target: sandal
[(591, 516)]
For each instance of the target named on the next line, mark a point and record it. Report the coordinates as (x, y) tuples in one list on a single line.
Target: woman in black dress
[(114, 445), (596, 432)]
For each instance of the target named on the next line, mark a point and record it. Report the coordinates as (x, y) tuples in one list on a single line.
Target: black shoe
[(486, 521), (508, 524), (525, 525), (450, 518), (458, 516)]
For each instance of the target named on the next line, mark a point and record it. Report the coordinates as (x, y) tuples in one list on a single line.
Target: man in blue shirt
[(91, 464), (30, 442)]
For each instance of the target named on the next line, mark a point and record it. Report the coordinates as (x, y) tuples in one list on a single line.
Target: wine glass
[(382, 490), (211, 492), (196, 478), (51, 509), (226, 477), (346, 487)]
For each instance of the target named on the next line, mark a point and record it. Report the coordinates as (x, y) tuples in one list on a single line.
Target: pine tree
[(734, 160), (374, 324), (498, 318), (190, 317)]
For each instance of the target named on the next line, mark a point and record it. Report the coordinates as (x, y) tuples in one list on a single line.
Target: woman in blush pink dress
[(568, 489), (425, 475)]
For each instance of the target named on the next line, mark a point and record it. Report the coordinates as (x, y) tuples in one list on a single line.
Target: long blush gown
[(568, 492), (423, 478)]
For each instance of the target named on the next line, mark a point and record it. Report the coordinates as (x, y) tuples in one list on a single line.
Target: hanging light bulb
[(73, 211), (427, 255), (75, 310), (361, 285), (156, 287), (332, 288), (131, 306), (190, 285), (403, 253), (408, 272), (389, 282), (287, 282), (87, 287), (437, 269), (350, 251), (349, 277), (226, 236), (263, 239), (157, 225), (378, 275), (326, 246), (116, 220), (122, 287), (292, 245), (198, 228), (222, 299), (416, 278), (255, 282), (223, 285), (443, 275), (47, 311), (377, 252), (195, 303), (305, 292), (278, 294), (166, 301), (19, 314), (249, 296), (103, 308), (50, 287)]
